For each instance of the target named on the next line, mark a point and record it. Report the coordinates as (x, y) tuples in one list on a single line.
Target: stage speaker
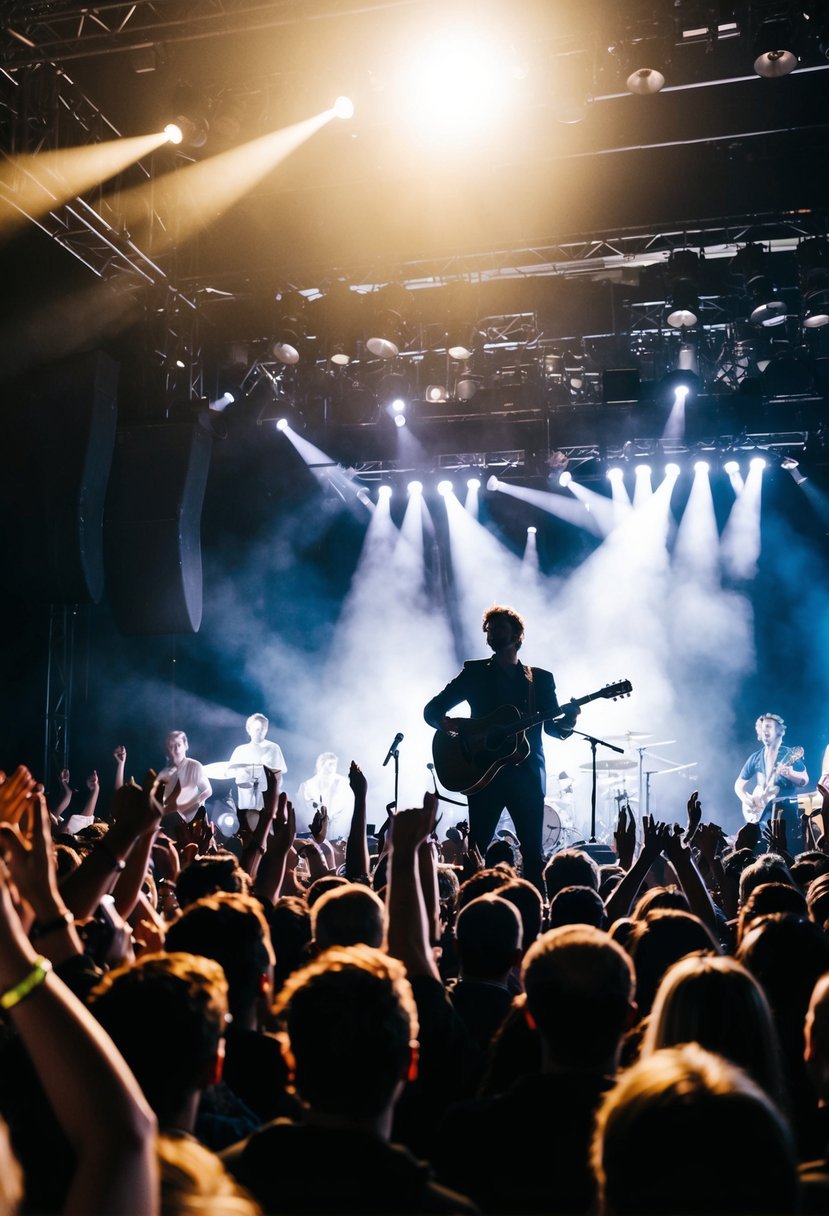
[(153, 544), (602, 854), (59, 432)]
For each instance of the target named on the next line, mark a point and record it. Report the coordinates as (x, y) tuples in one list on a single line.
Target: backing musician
[(487, 684), (772, 776)]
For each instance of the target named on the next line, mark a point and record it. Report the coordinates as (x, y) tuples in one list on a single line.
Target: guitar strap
[(530, 674)]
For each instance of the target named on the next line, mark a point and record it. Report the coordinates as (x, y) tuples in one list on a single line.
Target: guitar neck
[(534, 719)]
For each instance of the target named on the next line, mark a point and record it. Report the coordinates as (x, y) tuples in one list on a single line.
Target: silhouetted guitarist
[(486, 685)]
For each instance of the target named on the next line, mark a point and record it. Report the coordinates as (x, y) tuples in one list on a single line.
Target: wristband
[(59, 922), (13, 996)]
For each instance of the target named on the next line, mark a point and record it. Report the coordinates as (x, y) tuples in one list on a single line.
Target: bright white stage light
[(444, 488), (398, 405), (672, 469), (174, 133), (531, 531), (343, 107), (701, 466), (492, 482), (681, 392), (474, 483), (415, 487), (399, 419), (644, 469), (384, 492), (565, 478), (282, 424), (757, 462), (221, 403), (615, 474), (731, 467)]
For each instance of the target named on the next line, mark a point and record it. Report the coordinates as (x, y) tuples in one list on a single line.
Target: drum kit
[(622, 781)]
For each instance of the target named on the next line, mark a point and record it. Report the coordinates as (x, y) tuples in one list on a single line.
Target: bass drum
[(551, 829)]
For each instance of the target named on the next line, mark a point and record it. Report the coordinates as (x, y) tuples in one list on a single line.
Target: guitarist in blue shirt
[(520, 783), (772, 776)]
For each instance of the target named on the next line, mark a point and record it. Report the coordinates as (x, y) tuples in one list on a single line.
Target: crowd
[(288, 1024)]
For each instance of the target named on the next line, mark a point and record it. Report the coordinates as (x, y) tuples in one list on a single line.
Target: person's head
[(767, 898), (209, 874), (570, 868), (579, 987), (688, 1096), (661, 939), (502, 853), (787, 954), (256, 727), (176, 746), (326, 763), (289, 921), (817, 900), (351, 1025), (448, 888), (577, 906), (808, 866), (660, 897), (816, 1034), (232, 930), (194, 1182), (527, 899), (489, 933), (770, 728), (483, 882), (349, 915), (166, 1015), (768, 868), (321, 886), (503, 627), (717, 1003)]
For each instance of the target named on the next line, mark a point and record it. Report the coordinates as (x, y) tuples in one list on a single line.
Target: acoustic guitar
[(468, 761), (765, 791)]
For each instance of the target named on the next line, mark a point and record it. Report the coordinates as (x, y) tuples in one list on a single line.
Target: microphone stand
[(594, 743), (395, 751)]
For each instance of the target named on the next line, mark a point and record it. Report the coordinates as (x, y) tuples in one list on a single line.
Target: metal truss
[(60, 667)]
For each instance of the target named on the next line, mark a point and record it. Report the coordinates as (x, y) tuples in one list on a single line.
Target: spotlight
[(221, 403), (459, 353), (227, 822), (399, 420), (435, 392), (644, 469), (398, 405), (615, 473), (731, 467), (444, 488), (813, 265), (174, 133), (415, 487), (340, 358), (757, 462), (492, 482), (282, 424), (474, 483), (788, 463), (683, 289), (531, 531), (384, 492), (343, 107), (701, 466), (467, 387), (672, 469), (565, 478), (751, 265)]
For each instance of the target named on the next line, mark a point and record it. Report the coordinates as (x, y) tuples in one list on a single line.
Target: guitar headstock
[(615, 692)]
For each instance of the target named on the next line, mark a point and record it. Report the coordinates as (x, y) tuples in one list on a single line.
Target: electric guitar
[(468, 761), (766, 790)]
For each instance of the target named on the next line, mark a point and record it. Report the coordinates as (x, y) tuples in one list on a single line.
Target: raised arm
[(408, 922), (621, 898), (94, 1096), (120, 756), (681, 858), (65, 793), (357, 860)]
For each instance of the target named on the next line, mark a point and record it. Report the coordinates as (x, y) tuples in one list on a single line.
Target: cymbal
[(220, 770), (608, 766), (629, 734)]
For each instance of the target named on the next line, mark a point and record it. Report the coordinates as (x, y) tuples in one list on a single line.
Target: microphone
[(398, 738)]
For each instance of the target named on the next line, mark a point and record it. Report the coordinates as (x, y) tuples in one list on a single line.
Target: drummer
[(247, 767)]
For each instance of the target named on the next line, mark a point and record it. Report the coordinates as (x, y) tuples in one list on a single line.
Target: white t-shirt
[(194, 788), (250, 780)]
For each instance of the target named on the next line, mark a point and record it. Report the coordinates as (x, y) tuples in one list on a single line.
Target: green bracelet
[(27, 985)]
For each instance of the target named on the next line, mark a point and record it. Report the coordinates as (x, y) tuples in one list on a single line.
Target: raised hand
[(625, 836), (774, 834), (410, 828), (319, 824), (120, 754), (708, 839), (16, 794), (357, 780), (92, 782), (654, 838), (64, 779), (30, 860), (694, 815)]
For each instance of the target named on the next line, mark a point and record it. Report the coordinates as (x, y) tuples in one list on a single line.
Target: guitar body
[(467, 762), (766, 791)]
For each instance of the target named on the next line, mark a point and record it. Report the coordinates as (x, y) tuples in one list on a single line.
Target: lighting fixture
[(701, 466), (343, 107), (435, 392), (415, 487), (731, 467), (492, 482), (531, 530), (221, 403), (757, 462), (683, 289), (645, 81), (565, 478), (644, 469), (282, 424), (474, 483), (672, 469), (285, 353), (444, 488), (399, 420)]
